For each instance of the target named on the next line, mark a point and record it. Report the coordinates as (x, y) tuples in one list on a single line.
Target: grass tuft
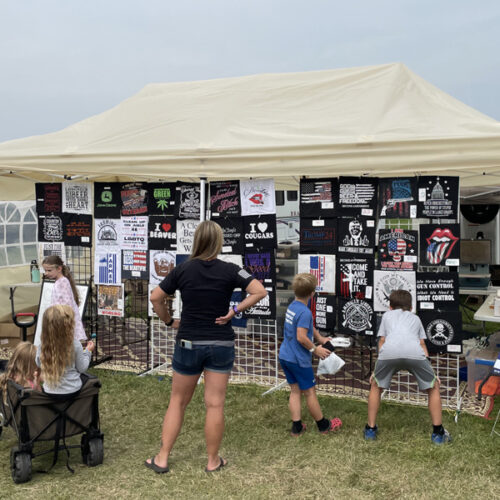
[(264, 461)]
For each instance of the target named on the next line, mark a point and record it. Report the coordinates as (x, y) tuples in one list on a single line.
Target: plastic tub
[(479, 364)]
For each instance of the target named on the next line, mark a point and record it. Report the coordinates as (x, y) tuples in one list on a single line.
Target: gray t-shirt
[(402, 331), (70, 381)]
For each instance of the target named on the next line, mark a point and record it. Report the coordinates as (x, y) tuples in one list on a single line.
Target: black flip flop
[(219, 467), (156, 468)]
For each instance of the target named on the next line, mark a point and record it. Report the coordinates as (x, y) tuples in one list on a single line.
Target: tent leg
[(203, 183), (275, 388)]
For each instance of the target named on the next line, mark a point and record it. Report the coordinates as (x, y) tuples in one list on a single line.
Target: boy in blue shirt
[(296, 360), (402, 347)]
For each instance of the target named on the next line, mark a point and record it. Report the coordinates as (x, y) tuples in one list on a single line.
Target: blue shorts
[(296, 374), (214, 358)]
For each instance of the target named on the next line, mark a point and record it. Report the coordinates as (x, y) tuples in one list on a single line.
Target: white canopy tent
[(375, 120)]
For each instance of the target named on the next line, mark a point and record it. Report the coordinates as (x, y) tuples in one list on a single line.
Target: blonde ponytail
[(67, 274)]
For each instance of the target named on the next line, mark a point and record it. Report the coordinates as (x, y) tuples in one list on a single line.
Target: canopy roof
[(375, 120)]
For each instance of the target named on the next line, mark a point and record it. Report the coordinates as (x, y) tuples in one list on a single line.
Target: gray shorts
[(420, 368)]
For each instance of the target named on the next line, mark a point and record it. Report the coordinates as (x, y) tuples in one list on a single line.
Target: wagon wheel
[(20, 465)]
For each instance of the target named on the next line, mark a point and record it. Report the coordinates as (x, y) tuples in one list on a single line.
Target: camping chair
[(22, 320), (37, 416)]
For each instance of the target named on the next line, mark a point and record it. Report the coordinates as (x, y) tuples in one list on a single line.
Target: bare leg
[(373, 403), (313, 403), (435, 408), (183, 387), (294, 402), (215, 397)]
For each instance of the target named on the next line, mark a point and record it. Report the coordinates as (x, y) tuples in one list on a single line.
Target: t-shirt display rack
[(434, 196), (404, 387), (141, 343), (122, 343), (256, 352)]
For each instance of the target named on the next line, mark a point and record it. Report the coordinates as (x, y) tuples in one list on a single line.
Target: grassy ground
[(264, 461)]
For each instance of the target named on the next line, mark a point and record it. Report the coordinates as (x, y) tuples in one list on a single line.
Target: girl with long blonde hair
[(65, 290), (22, 368), (61, 357)]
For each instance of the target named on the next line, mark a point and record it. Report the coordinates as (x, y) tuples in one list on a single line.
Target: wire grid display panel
[(126, 339), (256, 351), (79, 261), (353, 380), (404, 386), (161, 346)]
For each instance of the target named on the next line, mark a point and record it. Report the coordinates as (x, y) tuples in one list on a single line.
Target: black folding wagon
[(36, 416)]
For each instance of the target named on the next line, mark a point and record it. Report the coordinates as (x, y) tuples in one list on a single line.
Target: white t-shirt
[(403, 331), (257, 197)]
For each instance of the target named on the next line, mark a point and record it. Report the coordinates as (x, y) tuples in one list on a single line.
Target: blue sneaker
[(371, 434), (441, 438)]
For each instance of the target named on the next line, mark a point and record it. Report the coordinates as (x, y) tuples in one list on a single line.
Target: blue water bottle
[(35, 272)]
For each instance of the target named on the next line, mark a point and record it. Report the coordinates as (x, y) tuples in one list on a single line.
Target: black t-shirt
[(206, 288)]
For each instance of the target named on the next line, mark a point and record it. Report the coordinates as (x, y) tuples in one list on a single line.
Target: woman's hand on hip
[(222, 320)]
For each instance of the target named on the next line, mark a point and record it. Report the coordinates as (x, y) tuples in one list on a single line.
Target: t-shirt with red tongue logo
[(162, 233), (257, 197), (439, 244)]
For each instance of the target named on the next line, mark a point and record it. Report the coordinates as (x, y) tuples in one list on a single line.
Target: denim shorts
[(214, 358)]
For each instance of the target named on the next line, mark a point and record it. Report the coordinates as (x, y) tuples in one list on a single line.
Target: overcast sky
[(64, 60)]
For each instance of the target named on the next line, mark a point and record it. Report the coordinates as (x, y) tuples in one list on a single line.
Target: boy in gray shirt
[(402, 347)]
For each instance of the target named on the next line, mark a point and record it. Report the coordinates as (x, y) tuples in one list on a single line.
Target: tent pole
[(203, 182), (496, 190)]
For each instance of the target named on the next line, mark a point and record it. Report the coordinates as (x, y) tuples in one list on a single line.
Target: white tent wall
[(15, 188)]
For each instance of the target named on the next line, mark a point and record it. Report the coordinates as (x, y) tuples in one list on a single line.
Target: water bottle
[(35, 272)]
